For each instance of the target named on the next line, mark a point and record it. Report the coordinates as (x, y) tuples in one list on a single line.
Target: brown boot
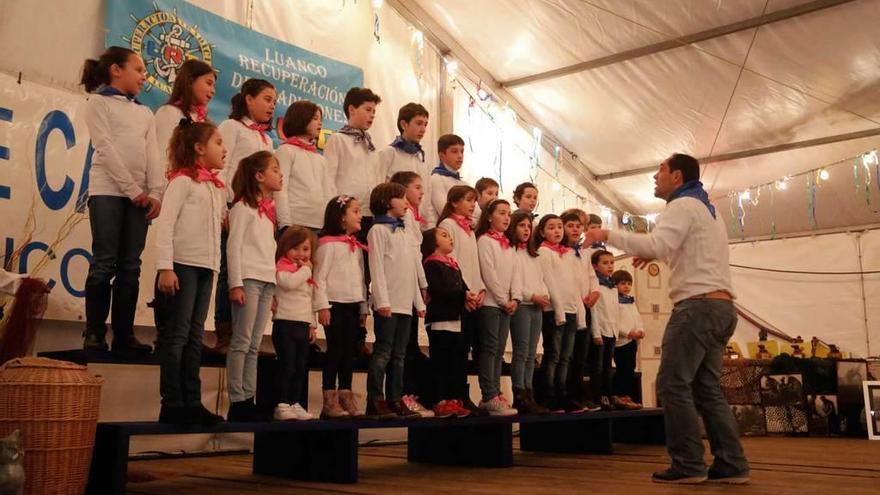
[(378, 409), (532, 405), (332, 409), (223, 332), (348, 401)]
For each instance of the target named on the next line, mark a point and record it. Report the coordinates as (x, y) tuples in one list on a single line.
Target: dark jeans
[(448, 362), (119, 231), (600, 373), (470, 329), (688, 385), (291, 340), (222, 305), (579, 359), (392, 337), (558, 347), (413, 357), (341, 336), (625, 369), (181, 341), (366, 225)]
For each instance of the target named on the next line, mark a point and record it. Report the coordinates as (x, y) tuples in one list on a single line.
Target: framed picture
[(872, 409), (654, 276)]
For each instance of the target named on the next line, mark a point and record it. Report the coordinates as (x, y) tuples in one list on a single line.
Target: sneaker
[(401, 409), (572, 406), (474, 409), (728, 479), (633, 404), (621, 403), (378, 409), (300, 412), (283, 413), (497, 407), (605, 403), (460, 410), (554, 406), (201, 415), (674, 477), (590, 406), (412, 402), (447, 409)]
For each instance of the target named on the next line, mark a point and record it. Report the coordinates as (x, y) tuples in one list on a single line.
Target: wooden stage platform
[(780, 466)]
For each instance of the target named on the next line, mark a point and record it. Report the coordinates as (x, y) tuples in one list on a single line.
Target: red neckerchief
[(498, 236), (462, 221), (559, 248), (522, 245), (266, 207), (417, 217), (201, 111), (201, 175), (352, 241), (261, 128), (446, 260), (285, 265), (299, 143)]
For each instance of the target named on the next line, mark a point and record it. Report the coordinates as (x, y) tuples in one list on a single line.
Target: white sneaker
[(412, 402), (284, 412), (497, 407), (300, 413)]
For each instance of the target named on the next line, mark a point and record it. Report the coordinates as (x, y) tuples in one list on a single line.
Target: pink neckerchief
[(261, 128), (522, 245), (463, 222), (446, 260), (352, 241), (299, 143), (418, 217), (498, 236), (285, 265), (559, 248), (201, 111), (202, 175), (266, 207)]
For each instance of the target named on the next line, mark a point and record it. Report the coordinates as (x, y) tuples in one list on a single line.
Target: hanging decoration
[(377, 5), (536, 148), (772, 212), (811, 195), (556, 150), (418, 42)]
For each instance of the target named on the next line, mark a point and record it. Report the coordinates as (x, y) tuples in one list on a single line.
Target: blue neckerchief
[(442, 170), (576, 247), (606, 281), (598, 245), (408, 147), (624, 299), (111, 91), (359, 135), (395, 223), (693, 189)]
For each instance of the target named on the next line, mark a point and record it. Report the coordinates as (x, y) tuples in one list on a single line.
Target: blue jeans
[(493, 340), (181, 341), (248, 323), (558, 348), (525, 328), (119, 231), (688, 384), (392, 337)]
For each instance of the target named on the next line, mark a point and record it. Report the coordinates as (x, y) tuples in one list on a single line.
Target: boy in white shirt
[(631, 329), (450, 149), (405, 153), (606, 313)]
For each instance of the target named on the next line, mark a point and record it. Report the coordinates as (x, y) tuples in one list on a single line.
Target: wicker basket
[(55, 405)]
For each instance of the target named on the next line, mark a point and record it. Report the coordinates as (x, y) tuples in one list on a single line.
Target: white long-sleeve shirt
[(499, 268), (189, 225), (250, 249), (439, 186), (240, 142), (605, 313), (393, 160), (295, 296), (414, 235), (562, 274), (126, 161), (352, 169), (630, 319), (167, 119), (691, 242), (306, 189), (592, 281), (394, 270), (531, 277), (464, 250), (339, 272)]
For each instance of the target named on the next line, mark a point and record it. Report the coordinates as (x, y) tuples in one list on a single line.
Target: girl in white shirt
[(341, 301), (294, 325), (187, 256), (244, 133), (562, 274), (525, 324), (250, 254), (498, 267), (306, 184), (126, 182), (455, 218)]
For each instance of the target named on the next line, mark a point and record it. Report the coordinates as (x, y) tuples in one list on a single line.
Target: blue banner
[(168, 32)]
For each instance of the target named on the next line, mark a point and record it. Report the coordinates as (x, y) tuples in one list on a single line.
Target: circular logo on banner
[(165, 42)]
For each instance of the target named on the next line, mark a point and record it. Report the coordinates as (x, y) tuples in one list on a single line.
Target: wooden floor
[(780, 466)]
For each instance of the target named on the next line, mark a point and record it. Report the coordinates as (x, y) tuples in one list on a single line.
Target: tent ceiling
[(806, 77)]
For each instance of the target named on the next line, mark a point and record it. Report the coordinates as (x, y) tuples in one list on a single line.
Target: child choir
[(303, 238)]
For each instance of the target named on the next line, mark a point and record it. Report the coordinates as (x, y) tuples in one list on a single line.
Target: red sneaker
[(445, 409), (461, 411)]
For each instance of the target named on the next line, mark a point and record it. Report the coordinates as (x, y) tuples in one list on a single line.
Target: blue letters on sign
[(65, 277), (6, 116), (56, 119)]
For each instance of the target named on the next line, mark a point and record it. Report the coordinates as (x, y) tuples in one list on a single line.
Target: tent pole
[(808, 233), (864, 297)]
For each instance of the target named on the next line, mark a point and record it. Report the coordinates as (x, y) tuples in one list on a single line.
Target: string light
[(451, 67), (556, 187), (377, 4), (782, 184), (745, 195), (823, 174)]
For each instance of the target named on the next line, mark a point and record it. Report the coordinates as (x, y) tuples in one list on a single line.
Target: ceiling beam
[(677, 42), (736, 155), (447, 44)]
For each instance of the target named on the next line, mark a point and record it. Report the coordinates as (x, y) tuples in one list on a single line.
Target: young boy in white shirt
[(631, 329), (606, 313), (405, 153), (450, 149)]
